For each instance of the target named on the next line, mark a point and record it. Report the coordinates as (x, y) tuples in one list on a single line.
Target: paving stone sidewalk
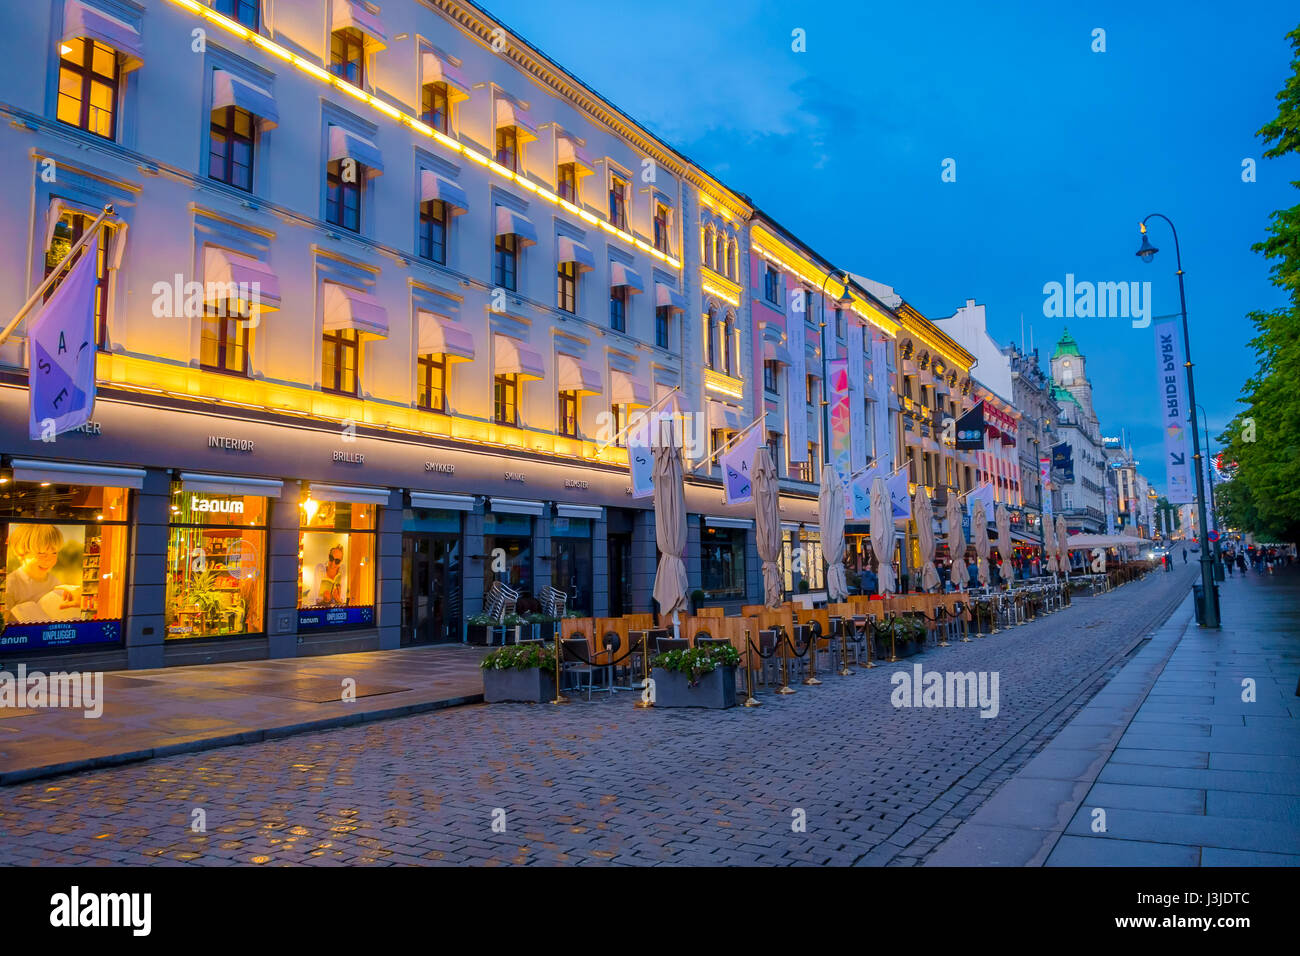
[(1186, 765)]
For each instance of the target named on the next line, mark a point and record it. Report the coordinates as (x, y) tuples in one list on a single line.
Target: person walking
[(1184, 554), (1227, 563), (1169, 565), (1241, 562)]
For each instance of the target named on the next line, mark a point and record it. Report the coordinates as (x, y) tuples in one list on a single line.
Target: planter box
[(716, 689), (485, 634), (902, 649), (530, 685)]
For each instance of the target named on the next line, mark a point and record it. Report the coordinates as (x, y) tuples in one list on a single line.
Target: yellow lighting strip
[(792, 263), (723, 384), (397, 115), (724, 296)]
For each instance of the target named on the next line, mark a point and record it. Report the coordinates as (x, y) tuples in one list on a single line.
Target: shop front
[(336, 556), (432, 567), (508, 544), (723, 543), (571, 554)]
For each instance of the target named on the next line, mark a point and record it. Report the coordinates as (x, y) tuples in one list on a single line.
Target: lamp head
[(845, 299), (1146, 252)]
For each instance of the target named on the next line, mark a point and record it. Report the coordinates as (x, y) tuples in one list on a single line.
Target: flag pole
[(735, 438), (649, 411), (64, 264)]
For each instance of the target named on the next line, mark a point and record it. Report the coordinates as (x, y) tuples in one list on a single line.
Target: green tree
[(1263, 440)]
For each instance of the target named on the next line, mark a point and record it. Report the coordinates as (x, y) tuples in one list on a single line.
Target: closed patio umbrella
[(767, 523), (979, 523), (1003, 521), (924, 516), (1049, 545), (956, 544), (830, 506), (670, 531), (1062, 545), (882, 536)]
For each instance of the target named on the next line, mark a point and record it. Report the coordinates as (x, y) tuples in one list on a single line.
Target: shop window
[(571, 561), (348, 56), (336, 563), (67, 232), (88, 86), (339, 361), (508, 551), (433, 231), (434, 108), (432, 372), (230, 147), (216, 561), (722, 562), (64, 577)]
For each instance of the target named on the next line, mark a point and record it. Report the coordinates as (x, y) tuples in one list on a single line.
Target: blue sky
[(1060, 152)]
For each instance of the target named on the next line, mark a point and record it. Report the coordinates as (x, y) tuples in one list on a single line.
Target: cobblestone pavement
[(603, 782)]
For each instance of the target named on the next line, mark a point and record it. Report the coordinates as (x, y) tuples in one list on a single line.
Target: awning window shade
[(621, 275), (348, 494), (345, 144), (435, 187), (511, 223), (726, 417), (70, 473), (231, 90), (510, 114), (437, 70), (514, 357), (441, 336), (348, 308), (568, 151), (776, 352), (574, 376), (666, 295), (627, 390), (231, 485), (571, 250), (81, 21), (356, 14), (230, 276)]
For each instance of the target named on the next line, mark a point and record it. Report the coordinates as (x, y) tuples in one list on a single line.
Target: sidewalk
[(156, 713), (1187, 773)]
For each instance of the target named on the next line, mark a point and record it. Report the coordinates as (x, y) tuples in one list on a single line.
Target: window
[(567, 286), (839, 323), (729, 344), (224, 340), (230, 147), (242, 11), (719, 253), (732, 272), (618, 308), (722, 562), (88, 79), (771, 376), (339, 361), (811, 388), (433, 231), (774, 443), (710, 339), (771, 284), (507, 261), (348, 56), (336, 563), (618, 415), (663, 322), (505, 400), (661, 227), (431, 371), (807, 470), (718, 438), (508, 147), (566, 182), (434, 109), (707, 249), (70, 228), (343, 195), (617, 202), (569, 414)]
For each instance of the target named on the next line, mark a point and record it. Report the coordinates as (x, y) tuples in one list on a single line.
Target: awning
[(348, 308), (508, 114), (353, 13), (348, 494), (893, 402), (517, 506), (776, 352), (70, 473), (666, 295), (626, 390), (724, 416), (437, 70), (428, 499), (570, 152), (579, 511), (225, 271), (433, 186), (620, 274), (442, 336), (718, 521), (231, 484), (576, 377), (231, 90), (571, 250), (517, 358), (84, 22), (345, 144), (511, 223)]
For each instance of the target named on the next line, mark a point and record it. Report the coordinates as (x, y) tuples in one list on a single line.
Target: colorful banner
[(737, 463), (857, 397), (61, 340), (970, 430), (884, 448), (1045, 477), (858, 499), (898, 495), (797, 399), (1112, 507), (1172, 380), (841, 427)]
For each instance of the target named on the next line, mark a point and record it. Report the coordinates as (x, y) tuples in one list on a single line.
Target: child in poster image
[(33, 591)]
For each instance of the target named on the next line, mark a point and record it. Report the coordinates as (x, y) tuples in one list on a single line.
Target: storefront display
[(336, 557), (722, 562), (571, 561), (508, 551)]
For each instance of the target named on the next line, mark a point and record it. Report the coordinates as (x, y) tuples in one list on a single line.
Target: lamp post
[(1214, 508), (1147, 252)]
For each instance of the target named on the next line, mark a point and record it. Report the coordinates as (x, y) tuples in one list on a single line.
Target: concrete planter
[(716, 689), (530, 685), (484, 634)]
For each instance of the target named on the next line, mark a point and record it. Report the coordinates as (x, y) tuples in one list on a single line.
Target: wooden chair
[(711, 612)]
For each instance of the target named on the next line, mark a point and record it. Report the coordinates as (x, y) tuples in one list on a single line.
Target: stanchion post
[(844, 648), (811, 680), (645, 703), (750, 700), (785, 687), (893, 627), (559, 675)]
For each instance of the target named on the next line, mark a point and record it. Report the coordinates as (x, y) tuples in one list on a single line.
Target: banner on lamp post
[(1171, 377)]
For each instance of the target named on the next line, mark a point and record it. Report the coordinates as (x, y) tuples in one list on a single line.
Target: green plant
[(698, 661), (203, 594), (521, 657), (697, 597), (803, 586), (487, 620)]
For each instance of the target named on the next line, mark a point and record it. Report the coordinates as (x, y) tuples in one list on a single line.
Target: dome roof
[(1067, 345)]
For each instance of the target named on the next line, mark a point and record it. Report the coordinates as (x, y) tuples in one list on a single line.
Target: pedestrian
[(973, 573), (1184, 555), (1227, 563), (1169, 565), (1241, 563)]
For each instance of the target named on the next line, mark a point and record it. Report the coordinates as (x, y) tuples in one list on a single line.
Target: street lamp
[(1147, 252), (1214, 508)]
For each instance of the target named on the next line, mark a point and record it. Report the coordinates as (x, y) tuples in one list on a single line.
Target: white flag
[(61, 352), (737, 462), (898, 496), (983, 493), (859, 496)]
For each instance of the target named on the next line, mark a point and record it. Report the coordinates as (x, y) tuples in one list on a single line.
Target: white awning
[(626, 390), (231, 90), (508, 114), (433, 186), (776, 352), (349, 308), (517, 358), (353, 13), (429, 499), (74, 473), (345, 144), (517, 506), (666, 295), (620, 274), (574, 376), (717, 521), (571, 250), (724, 416), (570, 152), (348, 494), (579, 511), (225, 272), (437, 70), (231, 484), (442, 336), (81, 21), (511, 223)]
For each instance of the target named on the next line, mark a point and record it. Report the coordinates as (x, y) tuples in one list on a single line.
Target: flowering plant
[(698, 661), (521, 657)]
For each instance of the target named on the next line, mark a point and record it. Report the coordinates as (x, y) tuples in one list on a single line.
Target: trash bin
[(1198, 590)]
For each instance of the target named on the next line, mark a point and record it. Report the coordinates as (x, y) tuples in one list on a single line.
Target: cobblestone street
[(603, 782)]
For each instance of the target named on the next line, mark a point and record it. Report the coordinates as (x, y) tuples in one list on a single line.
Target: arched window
[(729, 344), (731, 260), (710, 339), (704, 246), (708, 247), (720, 253)]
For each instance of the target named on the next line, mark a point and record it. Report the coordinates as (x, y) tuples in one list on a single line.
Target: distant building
[(1083, 499)]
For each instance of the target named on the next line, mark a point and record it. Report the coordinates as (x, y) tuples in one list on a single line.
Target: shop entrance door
[(620, 574), (431, 588)]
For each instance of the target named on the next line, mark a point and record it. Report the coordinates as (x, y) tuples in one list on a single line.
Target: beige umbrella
[(979, 523), (1062, 545), (767, 522), (1049, 545), (1003, 520), (670, 530), (830, 506), (956, 543), (882, 536), (924, 516)]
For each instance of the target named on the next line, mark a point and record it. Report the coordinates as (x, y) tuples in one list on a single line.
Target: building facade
[(1083, 495)]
